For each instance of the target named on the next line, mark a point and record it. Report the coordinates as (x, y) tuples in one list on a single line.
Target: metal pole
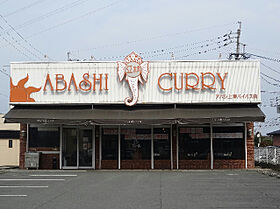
[(238, 41)]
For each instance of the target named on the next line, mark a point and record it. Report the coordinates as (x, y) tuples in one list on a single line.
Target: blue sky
[(107, 29)]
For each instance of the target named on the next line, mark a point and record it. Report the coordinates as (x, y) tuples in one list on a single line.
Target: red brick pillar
[(174, 145), (250, 146), (22, 142)]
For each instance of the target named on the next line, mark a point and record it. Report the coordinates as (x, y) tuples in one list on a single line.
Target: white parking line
[(27, 186), (32, 179), (13, 195), (55, 175)]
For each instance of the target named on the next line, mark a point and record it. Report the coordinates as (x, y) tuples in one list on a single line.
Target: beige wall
[(9, 156)]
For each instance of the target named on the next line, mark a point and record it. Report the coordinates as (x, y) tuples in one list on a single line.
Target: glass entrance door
[(69, 147), (77, 148), (85, 148)]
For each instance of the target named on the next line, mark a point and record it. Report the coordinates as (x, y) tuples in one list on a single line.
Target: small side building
[(275, 137), (9, 143)]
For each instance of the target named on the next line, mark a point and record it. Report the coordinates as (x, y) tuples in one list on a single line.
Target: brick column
[(250, 146), (22, 142)]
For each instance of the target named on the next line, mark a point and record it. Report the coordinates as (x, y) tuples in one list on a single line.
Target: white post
[(275, 155), (266, 151), (245, 136)]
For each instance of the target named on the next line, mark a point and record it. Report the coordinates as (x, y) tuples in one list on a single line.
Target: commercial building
[(9, 143), (137, 114)]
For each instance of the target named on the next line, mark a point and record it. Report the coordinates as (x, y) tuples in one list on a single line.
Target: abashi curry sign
[(135, 81)]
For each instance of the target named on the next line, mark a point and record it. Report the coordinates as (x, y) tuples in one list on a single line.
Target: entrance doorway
[(77, 148)]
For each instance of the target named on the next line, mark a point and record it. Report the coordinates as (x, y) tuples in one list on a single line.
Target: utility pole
[(68, 56), (237, 56)]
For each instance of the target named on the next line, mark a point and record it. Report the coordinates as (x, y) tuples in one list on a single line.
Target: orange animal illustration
[(19, 93)]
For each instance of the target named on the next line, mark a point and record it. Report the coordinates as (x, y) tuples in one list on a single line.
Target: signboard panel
[(154, 82)]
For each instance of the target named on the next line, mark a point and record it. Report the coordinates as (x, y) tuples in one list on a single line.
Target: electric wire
[(270, 68), (51, 13), (75, 18), (24, 8), (112, 45), (264, 57), (20, 51), (37, 50)]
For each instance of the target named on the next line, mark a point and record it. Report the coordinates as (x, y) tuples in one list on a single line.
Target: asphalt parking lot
[(138, 189)]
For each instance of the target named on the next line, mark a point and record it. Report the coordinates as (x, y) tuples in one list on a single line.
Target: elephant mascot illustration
[(134, 70)]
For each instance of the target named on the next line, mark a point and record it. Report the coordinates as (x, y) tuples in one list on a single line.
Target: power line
[(24, 8), (151, 38), (9, 43), (74, 19), (37, 50), (17, 42), (51, 13), (264, 57), (4, 95), (185, 45), (270, 77), (270, 68), (1, 71), (273, 84)]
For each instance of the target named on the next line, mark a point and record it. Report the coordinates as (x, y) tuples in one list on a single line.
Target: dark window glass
[(135, 144), (44, 137), (162, 144), (194, 143), (10, 143), (109, 143), (228, 142)]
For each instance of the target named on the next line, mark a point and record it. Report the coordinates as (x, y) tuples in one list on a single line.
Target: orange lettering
[(106, 82), (188, 86), (72, 80), (97, 79), (85, 82), (203, 85), (159, 79), (48, 80), (175, 81), (222, 80), (60, 77)]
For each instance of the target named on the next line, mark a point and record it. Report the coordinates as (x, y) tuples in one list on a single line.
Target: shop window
[(162, 144), (43, 137), (135, 144), (109, 143), (228, 142), (10, 143), (194, 143)]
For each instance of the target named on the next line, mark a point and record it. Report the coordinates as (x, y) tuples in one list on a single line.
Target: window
[(110, 143), (228, 142), (194, 143), (162, 144), (43, 137), (135, 144), (10, 143)]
